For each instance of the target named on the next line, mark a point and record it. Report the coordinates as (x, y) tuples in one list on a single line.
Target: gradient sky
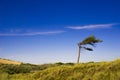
[(47, 31)]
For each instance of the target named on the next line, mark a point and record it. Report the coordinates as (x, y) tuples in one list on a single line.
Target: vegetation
[(7, 61), (62, 71), (91, 40)]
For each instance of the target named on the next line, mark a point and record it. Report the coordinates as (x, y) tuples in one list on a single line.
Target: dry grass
[(5, 61)]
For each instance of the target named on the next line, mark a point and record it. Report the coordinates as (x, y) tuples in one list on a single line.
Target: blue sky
[(47, 31)]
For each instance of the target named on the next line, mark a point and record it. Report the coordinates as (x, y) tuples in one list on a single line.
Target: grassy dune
[(6, 61), (82, 71)]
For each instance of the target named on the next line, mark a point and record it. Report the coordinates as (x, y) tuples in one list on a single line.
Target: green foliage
[(66, 71), (91, 40), (59, 63), (69, 64), (12, 69), (24, 68)]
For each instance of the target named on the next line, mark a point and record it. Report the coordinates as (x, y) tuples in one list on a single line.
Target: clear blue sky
[(47, 31)]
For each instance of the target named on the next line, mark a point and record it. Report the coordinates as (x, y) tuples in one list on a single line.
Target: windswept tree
[(91, 40)]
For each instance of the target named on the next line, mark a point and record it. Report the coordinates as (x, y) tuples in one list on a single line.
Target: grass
[(60, 71), (6, 61)]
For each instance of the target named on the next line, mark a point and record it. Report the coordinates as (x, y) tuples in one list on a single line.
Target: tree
[(91, 40)]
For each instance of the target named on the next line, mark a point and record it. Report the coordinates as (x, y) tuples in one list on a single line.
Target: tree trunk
[(78, 54)]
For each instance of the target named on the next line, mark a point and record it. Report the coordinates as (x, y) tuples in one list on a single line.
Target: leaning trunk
[(78, 54)]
